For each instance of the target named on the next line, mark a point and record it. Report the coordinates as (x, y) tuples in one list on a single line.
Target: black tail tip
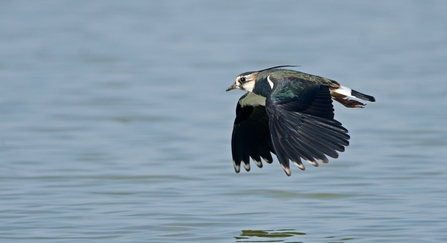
[(363, 96)]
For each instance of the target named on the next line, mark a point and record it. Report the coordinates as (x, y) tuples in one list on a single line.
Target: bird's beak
[(234, 86)]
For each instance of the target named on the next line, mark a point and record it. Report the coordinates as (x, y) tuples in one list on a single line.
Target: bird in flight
[(289, 113)]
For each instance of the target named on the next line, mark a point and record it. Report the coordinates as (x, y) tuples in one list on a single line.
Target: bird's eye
[(242, 79)]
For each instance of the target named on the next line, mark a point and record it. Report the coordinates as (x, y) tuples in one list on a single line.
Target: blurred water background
[(115, 125)]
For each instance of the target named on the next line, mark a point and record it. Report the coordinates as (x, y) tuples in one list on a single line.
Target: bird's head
[(245, 81)]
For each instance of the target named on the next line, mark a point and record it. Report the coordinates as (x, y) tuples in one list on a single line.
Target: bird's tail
[(348, 97)]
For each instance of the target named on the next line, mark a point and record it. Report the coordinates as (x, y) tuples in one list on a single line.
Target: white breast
[(252, 99)]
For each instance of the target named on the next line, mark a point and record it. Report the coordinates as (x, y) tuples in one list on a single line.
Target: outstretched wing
[(251, 136), (302, 125)]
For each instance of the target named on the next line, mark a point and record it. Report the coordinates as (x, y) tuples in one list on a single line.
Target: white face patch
[(248, 86), (249, 82), (270, 82)]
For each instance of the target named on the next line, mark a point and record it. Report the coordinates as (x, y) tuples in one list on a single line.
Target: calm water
[(115, 125)]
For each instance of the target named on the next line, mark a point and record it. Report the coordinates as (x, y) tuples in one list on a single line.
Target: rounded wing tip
[(286, 170), (314, 163), (299, 165), (247, 166), (268, 160), (237, 168)]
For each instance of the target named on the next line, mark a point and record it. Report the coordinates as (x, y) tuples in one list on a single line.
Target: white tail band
[(344, 91)]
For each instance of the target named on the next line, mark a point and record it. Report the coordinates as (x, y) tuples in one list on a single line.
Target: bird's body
[(289, 113)]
